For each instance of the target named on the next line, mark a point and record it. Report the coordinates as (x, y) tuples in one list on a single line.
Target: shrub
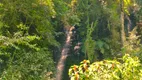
[(128, 68)]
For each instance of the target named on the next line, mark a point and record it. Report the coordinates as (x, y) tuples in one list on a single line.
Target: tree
[(27, 35)]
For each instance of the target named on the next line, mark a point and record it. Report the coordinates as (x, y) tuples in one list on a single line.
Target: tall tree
[(64, 54), (123, 38), (69, 20)]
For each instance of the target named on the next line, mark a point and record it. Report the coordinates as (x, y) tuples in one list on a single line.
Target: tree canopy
[(37, 35)]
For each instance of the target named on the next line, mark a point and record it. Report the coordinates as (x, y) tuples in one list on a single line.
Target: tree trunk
[(123, 38), (64, 54), (129, 24)]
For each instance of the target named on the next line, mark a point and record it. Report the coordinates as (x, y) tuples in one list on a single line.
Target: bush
[(128, 68), (29, 66)]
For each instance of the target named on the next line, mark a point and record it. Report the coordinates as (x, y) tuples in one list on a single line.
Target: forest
[(70, 40)]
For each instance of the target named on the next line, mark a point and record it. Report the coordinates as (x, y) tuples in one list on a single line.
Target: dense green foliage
[(26, 34), (33, 32), (127, 69)]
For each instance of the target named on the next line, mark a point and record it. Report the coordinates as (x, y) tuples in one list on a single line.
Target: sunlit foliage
[(127, 68)]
